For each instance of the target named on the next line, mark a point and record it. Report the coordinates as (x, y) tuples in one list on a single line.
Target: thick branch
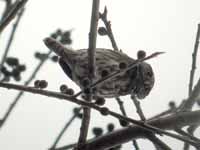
[(134, 132), (91, 69)]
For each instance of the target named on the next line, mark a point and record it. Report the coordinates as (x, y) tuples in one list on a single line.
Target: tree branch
[(11, 38), (194, 55), (12, 13), (91, 69), (181, 121), (107, 24), (16, 100)]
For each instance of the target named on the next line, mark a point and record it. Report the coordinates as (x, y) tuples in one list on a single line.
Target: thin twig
[(192, 117), (91, 70), (15, 25), (103, 17), (66, 147), (7, 8), (64, 129), (17, 98), (136, 145), (159, 145), (156, 141), (190, 130), (138, 108), (194, 55), (188, 104), (192, 72), (121, 106), (182, 132), (19, 4)]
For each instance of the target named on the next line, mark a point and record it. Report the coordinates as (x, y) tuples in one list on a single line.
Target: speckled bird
[(138, 80)]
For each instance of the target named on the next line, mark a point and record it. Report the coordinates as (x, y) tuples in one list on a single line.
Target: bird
[(138, 80)]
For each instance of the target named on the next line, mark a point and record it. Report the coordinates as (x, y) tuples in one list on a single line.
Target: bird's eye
[(149, 74)]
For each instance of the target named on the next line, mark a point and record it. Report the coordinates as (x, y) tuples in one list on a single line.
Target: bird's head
[(144, 80)]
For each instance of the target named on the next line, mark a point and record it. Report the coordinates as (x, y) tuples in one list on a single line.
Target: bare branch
[(188, 104), (138, 108), (156, 141), (12, 13), (16, 100), (103, 17), (11, 38), (121, 106), (64, 130), (91, 69), (182, 119), (194, 55)]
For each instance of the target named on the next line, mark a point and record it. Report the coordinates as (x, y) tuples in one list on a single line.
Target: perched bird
[(138, 80)]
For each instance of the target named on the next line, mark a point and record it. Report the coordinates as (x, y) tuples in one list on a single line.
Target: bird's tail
[(58, 48)]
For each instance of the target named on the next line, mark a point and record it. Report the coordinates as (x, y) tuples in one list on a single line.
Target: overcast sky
[(153, 25)]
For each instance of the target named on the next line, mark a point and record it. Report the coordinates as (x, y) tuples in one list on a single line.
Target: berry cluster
[(12, 69), (63, 37), (40, 84), (98, 131), (65, 90)]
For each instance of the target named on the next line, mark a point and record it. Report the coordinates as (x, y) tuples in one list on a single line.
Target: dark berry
[(102, 31), (104, 111), (66, 38), (43, 84), (6, 79), (66, 34), (37, 55), (141, 54), (77, 112), (54, 35), (5, 71), (37, 83), (54, 58), (15, 72), (87, 90), (122, 65), (110, 127), (94, 90), (66, 41), (59, 32), (99, 101), (83, 96), (69, 91), (172, 104), (80, 115), (63, 88), (97, 131), (198, 102), (17, 78), (85, 82), (123, 123), (40, 56), (21, 68), (104, 73), (12, 61)]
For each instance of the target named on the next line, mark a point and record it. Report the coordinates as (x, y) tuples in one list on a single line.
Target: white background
[(167, 25)]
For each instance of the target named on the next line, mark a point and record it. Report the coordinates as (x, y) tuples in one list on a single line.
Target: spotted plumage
[(138, 80)]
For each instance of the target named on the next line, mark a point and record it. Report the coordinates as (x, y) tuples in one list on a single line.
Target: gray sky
[(152, 26)]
